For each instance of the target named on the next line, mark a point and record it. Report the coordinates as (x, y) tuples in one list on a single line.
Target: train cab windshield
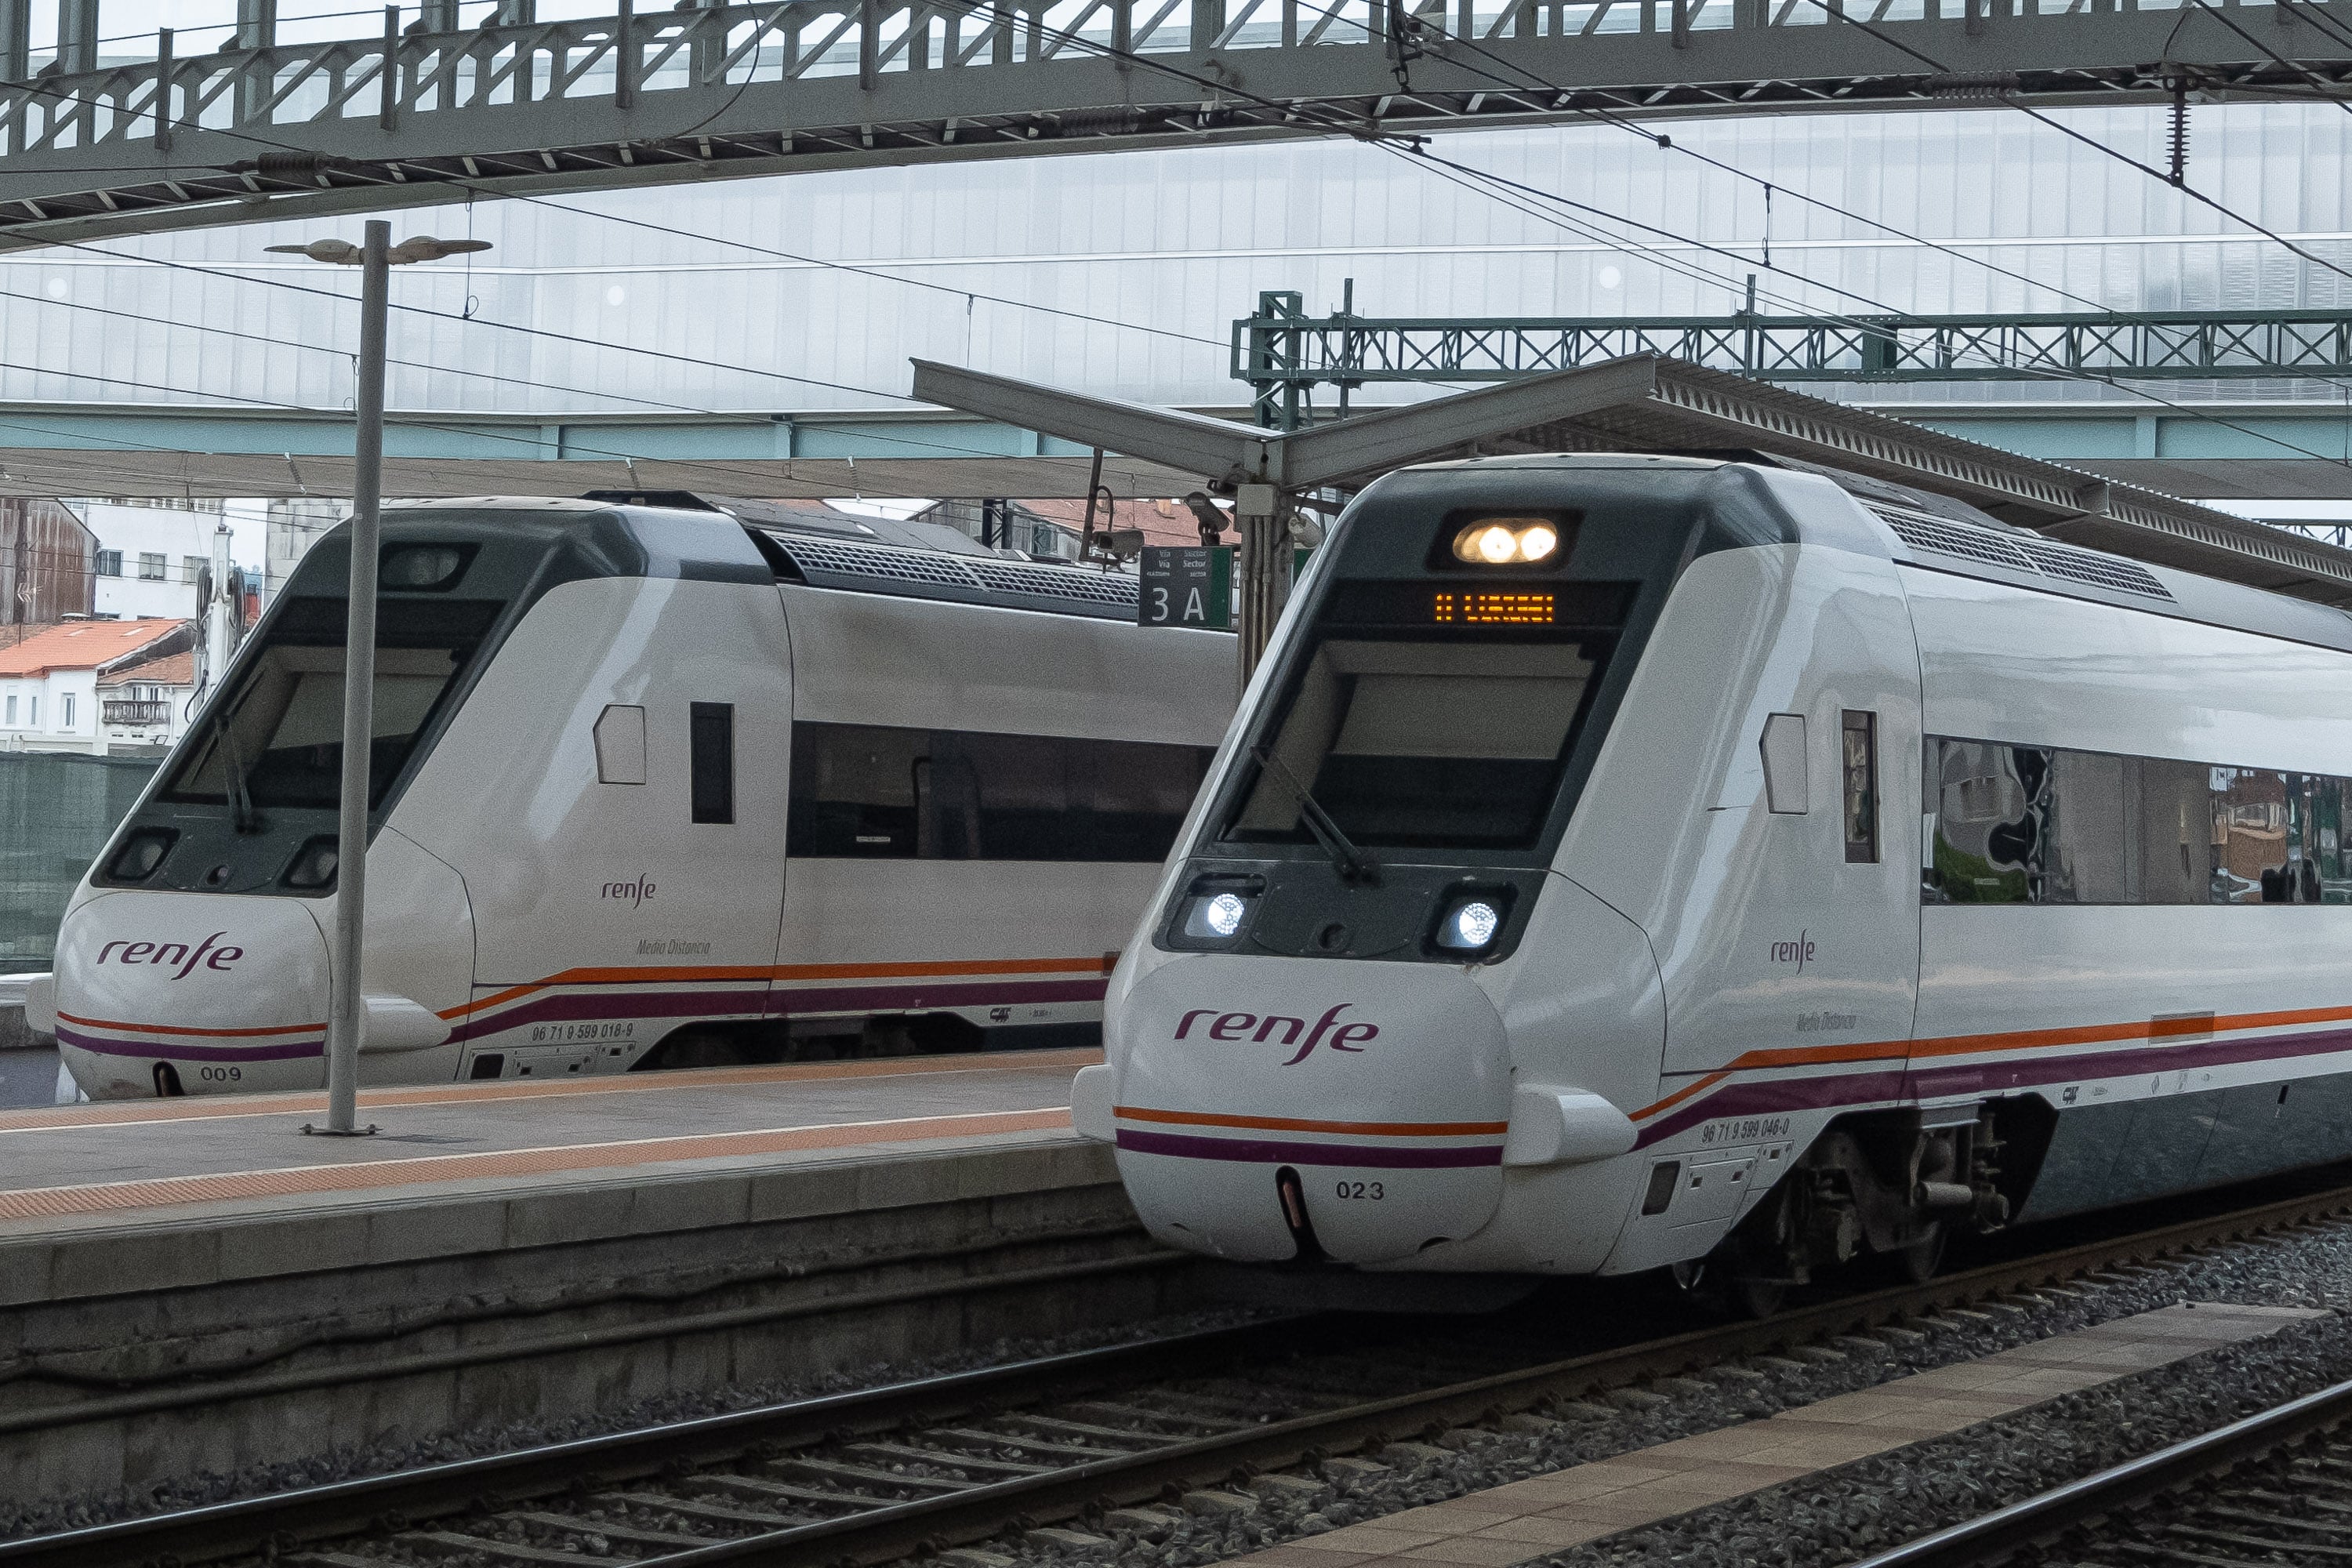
[(1434, 714), (278, 741)]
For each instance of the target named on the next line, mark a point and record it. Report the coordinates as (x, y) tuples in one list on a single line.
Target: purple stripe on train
[(175, 1051), (751, 1004), (1277, 1151), (1837, 1091)]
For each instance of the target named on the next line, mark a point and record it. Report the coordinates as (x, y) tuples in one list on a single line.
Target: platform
[(195, 1284), (464, 1166)]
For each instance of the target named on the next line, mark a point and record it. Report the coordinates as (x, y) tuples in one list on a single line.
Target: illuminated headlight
[(1470, 925), (1507, 542), (1216, 917)]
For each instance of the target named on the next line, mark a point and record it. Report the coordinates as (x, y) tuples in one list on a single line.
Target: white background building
[(48, 682), (149, 552), (146, 704)]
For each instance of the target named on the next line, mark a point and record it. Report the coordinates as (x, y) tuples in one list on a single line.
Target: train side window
[(712, 753), (2251, 863), (621, 744), (1785, 791), (854, 790), (1858, 750)]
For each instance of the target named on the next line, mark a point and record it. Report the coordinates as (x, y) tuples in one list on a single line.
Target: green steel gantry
[(1283, 355)]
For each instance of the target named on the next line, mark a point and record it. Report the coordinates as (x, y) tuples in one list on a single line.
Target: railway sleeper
[(1126, 1437), (478, 1548), (709, 1512), (965, 1438), (946, 1459), (1189, 1425), (612, 1529), (861, 1476), (755, 1486)]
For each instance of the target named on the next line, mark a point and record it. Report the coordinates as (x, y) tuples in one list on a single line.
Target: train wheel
[(1920, 1261), (1727, 1290)]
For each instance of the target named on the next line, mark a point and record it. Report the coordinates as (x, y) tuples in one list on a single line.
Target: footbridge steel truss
[(265, 128)]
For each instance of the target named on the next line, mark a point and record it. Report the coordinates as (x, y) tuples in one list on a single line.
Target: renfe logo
[(1249, 1026), (175, 952), (1799, 953), (637, 892)]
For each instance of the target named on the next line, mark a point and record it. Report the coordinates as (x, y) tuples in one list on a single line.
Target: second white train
[(1627, 861)]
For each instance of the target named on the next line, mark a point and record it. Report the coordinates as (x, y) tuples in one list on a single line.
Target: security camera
[(1209, 514)]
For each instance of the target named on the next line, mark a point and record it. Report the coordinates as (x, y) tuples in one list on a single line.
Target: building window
[(191, 565), (11, 709), (109, 564), (33, 712), (66, 723), (151, 566)]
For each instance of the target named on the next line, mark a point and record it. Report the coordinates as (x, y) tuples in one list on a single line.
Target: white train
[(653, 787), (1721, 867)]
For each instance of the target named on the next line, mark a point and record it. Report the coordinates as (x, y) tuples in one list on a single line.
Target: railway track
[(878, 1474), (2273, 1488)]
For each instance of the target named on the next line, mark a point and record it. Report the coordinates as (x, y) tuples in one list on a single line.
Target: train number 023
[(1370, 1191)]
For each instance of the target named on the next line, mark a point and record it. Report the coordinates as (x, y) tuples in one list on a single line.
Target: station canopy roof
[(1647, 403)]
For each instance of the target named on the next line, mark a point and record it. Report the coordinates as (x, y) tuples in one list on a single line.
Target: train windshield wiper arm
[(1352, 863), (240, 800)]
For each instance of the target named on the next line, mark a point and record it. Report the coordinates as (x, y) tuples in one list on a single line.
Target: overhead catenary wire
[(1699, 273)]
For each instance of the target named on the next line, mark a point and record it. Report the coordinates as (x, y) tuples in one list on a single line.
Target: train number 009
[(1370, 1191)]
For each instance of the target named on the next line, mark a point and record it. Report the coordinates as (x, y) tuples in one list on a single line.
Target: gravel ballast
[(1847, 1514)]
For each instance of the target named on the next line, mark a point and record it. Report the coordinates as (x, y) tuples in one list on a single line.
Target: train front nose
[(194, 992), (1246, 1077)]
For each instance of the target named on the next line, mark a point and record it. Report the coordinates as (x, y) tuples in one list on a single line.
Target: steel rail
[(893, 1530), (1999, 1534)]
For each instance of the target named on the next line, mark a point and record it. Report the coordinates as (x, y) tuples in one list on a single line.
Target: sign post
[(1186, 586)]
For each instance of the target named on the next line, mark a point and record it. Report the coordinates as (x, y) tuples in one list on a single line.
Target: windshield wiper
[(1352, 863), (240, 801)]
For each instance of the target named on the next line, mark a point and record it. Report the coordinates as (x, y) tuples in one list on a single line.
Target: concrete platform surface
[(72, 1168)]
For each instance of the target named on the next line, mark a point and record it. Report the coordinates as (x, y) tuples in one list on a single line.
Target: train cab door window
[(711, 753), (1785, 783), (621, 744), (1858, 738)]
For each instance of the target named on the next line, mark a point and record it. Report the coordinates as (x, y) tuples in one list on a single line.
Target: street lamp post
[(347, 1005)]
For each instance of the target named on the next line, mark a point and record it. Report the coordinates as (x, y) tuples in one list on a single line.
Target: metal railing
[(135, 711), (638, 97)]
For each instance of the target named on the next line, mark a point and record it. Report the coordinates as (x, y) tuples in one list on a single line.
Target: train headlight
[(1221, 916), (1507, 542), (1216, 912), (314, 864), (1217, 917), (140, 854), (1471, 924)]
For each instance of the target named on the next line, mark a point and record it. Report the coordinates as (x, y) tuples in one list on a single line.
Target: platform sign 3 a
[(1186, 586)]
